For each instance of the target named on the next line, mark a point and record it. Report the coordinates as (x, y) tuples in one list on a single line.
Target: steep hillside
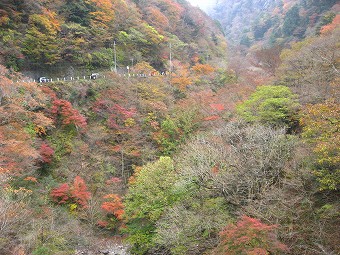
[(42, 34), (249, 22), (68, 148), (209, 158)]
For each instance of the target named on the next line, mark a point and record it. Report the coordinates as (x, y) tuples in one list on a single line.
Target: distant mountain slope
[(39, 34), (247, 22)]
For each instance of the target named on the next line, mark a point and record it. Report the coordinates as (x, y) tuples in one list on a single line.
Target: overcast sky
[(203, 4)]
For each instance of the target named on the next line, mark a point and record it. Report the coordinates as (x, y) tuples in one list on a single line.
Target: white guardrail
[(92, 77)]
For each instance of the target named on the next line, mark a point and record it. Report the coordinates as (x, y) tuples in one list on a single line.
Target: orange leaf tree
[(181, 77), (203, 69), (77, 193), (249, 236), (113, 209)]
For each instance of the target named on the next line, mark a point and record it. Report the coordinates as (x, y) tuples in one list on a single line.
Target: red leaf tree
[(63, 111), (114, 210), (77, 193), (118, 119), (61, 194), (249, 237), (46, 153), (113, 206)]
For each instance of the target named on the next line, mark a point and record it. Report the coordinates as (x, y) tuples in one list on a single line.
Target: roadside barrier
[(90, 77)]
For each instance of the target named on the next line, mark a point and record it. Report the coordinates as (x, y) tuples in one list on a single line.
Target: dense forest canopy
[(39, 34), (210, 149), (269, 22)]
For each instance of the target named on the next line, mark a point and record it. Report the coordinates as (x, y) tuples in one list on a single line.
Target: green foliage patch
[(272, 105)]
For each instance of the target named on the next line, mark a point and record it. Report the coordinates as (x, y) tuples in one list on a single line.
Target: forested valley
[(215, 135)]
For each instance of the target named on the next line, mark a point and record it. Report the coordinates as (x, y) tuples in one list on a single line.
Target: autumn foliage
[(77, 193), (21, 122), (203, 69), (321, 128), (114, 209), (46, 153), (64, 113), (61, 194), (330, 27), (183, 107), (181, 77), (250, 236), (121, 117), (113, 205)]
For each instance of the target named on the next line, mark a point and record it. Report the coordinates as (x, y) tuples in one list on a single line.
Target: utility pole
[(128, 69), (170, 58), (115, 55)]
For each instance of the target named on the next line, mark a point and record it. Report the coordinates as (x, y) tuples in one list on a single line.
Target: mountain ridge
[(272, 22), (40, 34)]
